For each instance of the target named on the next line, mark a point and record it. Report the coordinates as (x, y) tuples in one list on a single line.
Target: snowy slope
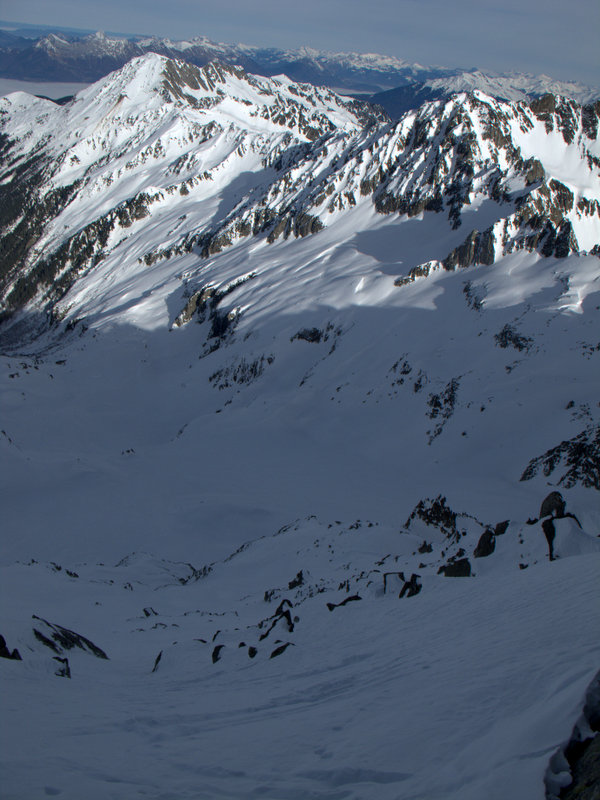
[(511, 87), (274, 364)]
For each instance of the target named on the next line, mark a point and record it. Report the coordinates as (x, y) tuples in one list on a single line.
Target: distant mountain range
[(397, 85)]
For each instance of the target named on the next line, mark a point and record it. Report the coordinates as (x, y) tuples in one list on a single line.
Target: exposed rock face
[(578, 458), (486, 544), (157, 661), (443, 158), (14, 655), (435, 512), (196, 301), (580, 756), (62, 639), (509, 337), (553, 506), (398, 185), (309, 335), (549, 533), (216, 653), (297, 581), (411, 587), (478, 248), (441, 407), (461, 568), (279, 650), (352, 598), (535, 172), (584, 759)]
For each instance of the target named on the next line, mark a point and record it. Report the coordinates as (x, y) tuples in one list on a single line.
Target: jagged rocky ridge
[(164, 395), (44, 176), (330, 155), (441, 159)]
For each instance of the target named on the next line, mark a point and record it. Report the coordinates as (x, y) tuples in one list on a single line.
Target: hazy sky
[(555, 37)]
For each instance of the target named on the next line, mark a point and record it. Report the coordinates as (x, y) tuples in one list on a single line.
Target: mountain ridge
[(301, 433), (67, 57), (448, 156)]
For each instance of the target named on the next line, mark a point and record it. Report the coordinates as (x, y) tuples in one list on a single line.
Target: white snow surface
[(166, 490)]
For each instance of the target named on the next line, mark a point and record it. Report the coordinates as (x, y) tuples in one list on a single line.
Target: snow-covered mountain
[(61, 56), (511, 87), (301, 434), (400, 85)]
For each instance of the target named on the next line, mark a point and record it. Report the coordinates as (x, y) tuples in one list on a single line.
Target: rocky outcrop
[(61, 639), (437, 513), (53, 274), (578, 459), (553, 506), (351, 599), (478, 248), (574, 769), (411, 587), (510, 337), (486, 544), (441, 407), (216, 653), (460, 568), (13, 655)]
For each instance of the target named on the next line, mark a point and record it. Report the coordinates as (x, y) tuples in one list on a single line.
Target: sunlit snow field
[(191, 504)]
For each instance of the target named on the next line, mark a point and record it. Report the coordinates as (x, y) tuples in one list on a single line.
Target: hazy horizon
[(540, 38)]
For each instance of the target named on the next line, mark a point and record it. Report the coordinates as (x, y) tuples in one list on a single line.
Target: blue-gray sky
[(554, 37)]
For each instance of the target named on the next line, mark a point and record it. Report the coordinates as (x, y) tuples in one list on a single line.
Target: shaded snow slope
[(301, 494)]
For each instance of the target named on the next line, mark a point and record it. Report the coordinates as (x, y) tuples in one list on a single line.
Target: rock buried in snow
[(65, 670), (331, 606), (298, 581), (387, 580), (216, 653), (279, 650), (157, 661), (411, 587)]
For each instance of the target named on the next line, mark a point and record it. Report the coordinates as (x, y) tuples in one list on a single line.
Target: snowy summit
[(301, 441)]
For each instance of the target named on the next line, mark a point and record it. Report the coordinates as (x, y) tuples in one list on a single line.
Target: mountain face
[(295, 159), (302, 441), (153, 113)]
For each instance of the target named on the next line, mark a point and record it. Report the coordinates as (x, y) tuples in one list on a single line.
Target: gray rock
[(553, 505), (486, 544), (457, 569), (549, 533)]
